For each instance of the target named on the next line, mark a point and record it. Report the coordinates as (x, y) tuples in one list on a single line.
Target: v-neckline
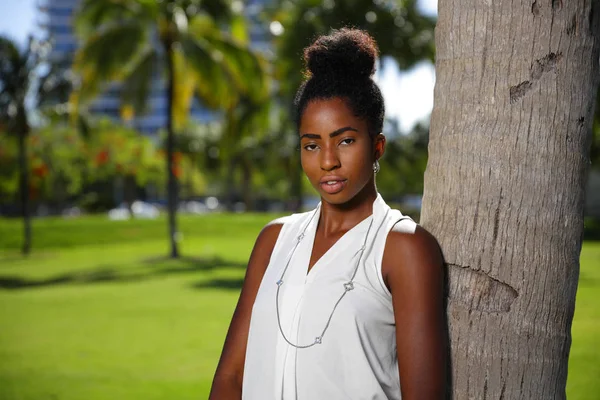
[(313, 236)]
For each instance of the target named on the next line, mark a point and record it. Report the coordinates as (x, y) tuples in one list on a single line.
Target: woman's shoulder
[(271, 231), (410, 248), (407, 236)]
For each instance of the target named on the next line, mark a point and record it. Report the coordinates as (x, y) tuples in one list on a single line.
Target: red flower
[(40, 171), (102, 157), (176, 171)]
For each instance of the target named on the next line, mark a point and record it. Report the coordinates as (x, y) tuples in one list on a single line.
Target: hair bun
[(345, 53)]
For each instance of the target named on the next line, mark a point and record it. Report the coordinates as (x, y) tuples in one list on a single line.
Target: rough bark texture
[(504, 186)]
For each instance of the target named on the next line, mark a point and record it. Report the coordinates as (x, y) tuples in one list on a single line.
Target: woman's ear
[(379, 145)]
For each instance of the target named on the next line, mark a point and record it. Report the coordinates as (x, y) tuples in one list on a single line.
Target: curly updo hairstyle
[(342, 64)]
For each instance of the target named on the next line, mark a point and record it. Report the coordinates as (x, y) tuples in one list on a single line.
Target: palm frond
[(108, 56), (137, 85), (13, 69), (184, 85), (213, 83), (94, 14), (246, 68)]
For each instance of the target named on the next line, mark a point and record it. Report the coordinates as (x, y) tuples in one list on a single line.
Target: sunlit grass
[(583, 382), (98, 312)]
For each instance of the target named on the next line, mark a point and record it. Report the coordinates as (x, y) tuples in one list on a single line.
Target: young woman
[(345, 301)]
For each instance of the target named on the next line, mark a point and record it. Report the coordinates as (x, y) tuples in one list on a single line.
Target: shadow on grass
[(220, 283), (146, 269)]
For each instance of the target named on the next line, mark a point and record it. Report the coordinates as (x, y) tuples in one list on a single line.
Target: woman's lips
[(333, 186)]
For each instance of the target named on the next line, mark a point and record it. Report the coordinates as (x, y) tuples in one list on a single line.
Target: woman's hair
[(341, 64)]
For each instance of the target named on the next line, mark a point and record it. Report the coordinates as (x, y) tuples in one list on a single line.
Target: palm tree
[(133, 40), (17, 75), (504, 187)]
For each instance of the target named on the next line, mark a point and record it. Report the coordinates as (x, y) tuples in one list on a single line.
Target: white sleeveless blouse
[(356, 358)]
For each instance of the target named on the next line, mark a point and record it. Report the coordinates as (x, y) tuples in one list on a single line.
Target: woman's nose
[(329, 159)]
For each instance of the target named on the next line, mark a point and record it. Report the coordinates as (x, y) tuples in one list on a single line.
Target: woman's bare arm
[(413, 270), (227, 383)]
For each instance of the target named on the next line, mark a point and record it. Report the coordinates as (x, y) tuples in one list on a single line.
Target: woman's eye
[(310, 147), (347, 141)]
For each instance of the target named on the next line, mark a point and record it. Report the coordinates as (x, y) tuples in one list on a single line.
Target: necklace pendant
[(348, 286), (279, 282), (318, 340), (300, 237)]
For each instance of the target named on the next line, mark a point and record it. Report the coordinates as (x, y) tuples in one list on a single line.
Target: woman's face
[(337, 152)]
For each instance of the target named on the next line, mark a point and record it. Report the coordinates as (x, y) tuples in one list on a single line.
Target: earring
[(376, 166)]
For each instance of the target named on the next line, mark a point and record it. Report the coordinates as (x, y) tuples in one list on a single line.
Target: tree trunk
[(24, 190), (247, 185), (504, 186), (171, 178), (230, 189)]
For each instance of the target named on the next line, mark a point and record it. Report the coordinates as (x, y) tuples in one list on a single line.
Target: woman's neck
[(337, 218)]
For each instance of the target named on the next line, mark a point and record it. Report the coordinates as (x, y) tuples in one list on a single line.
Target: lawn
[(97, 312)]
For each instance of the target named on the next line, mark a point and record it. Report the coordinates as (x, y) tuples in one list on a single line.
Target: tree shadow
[(147, 269), (16, 258), (220, 283)]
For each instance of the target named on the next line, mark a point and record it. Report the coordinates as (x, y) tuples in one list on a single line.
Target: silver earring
[(376, 166)]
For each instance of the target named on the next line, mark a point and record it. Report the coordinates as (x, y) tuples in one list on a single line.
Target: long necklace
[(348, 286)]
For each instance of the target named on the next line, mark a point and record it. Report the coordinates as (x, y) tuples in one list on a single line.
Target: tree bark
[(504, 186), (172, 195), (24, 186)]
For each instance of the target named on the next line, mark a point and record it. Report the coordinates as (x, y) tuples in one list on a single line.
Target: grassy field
[(97, 312)]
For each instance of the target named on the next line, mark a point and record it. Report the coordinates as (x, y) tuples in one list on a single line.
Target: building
[(57, 18)]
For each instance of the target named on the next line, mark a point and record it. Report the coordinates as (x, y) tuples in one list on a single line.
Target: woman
[(343, 302)]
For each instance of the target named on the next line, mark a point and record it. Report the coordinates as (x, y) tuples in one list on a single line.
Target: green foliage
[(9, 181), (82, 319), (57, 159), (120, 44), (17, 70), (399, 29), (115, 150), (404, 161)]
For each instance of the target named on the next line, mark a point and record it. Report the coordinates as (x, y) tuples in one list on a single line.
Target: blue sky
[(408, 94)]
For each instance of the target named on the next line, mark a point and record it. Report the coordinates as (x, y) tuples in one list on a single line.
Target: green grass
[(97, 312), (583, 381)]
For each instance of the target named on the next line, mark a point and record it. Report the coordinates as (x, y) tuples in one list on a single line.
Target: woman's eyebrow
[(332, 134)]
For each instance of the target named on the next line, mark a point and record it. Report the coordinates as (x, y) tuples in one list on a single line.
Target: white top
[(356, 358)]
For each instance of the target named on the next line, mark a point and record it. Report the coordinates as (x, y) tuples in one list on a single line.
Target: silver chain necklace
[(348, 286)]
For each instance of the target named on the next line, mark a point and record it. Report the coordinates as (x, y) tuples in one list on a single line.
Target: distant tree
[(18, 74), (124, 159), (134, 40), (58, 160), (401, 31), (505, 183)]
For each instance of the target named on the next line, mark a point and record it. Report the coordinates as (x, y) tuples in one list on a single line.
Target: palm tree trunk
[(171, 178), (504, 186), (247, 185), (24, 190), (230, 189)]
